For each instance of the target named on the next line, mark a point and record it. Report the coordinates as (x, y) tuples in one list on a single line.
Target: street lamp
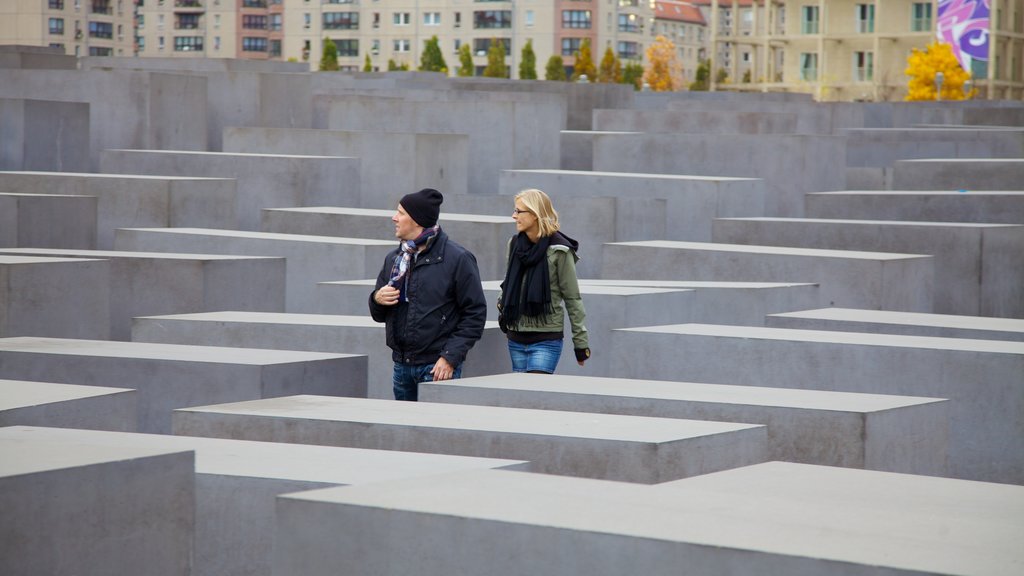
[(939, 77)]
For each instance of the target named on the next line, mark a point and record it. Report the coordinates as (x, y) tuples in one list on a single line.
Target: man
[(429, 295)]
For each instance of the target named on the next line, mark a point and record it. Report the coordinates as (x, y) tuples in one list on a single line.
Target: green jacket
[(565, 298)]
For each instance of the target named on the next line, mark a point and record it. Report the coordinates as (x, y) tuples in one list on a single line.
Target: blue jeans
[(539, 357), (407, 377)]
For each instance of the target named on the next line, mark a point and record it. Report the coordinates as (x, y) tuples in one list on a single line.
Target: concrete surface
[(905, 323), (59, 297), (48, 221), (27, 403)]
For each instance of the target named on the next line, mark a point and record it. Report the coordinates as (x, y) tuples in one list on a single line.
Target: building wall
[(80, 27)]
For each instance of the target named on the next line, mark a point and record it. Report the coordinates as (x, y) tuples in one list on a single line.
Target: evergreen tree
[(496, 67), (584, 63), (633, 73), (432, 60), (555, 69), (466, 67), (611, 68), (703, 78), (329, 60), (367, 65), (528, 62)]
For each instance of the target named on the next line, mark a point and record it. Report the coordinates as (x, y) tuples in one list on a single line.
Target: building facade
[(79, 27)]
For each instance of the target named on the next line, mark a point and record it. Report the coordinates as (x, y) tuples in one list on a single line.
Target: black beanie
[(424, 206)]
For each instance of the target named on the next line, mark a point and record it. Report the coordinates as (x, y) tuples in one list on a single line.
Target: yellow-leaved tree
[(664, 72), (922, 67)]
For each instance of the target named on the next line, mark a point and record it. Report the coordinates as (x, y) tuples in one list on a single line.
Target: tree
[(396, 67), (496, 67), (664, 72), (611, 68), (702, 81), (584, 63), (367, 65), (555, 69), (431, 60), (528, 62), (722, 77), (329, 60), (923, 66), (466, 67), (633, 73)]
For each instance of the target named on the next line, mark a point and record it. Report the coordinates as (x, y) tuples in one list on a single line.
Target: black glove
[(582, 354)]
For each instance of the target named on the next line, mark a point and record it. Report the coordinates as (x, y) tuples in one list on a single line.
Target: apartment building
[(79, 27), (684, 24)]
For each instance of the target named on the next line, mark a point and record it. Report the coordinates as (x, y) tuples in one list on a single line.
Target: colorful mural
[(964, 25)]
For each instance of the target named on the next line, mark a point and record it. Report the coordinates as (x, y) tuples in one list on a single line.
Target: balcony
[(254, 3), (188, 4), (102, 8)]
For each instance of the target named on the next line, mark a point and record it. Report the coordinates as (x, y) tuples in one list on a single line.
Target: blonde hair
[(538, 202)]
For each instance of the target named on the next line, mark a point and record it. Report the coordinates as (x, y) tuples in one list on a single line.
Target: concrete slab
[(1006, 207), (117, 511), (150, 283), (168, 376), (44, 135), (979, 268), (981, 378), (959, 174), (132, 200), (777, 519), (27, 403), (429, 160), (485, 236), (309, 259), (312, 333), (846, 277), (47, 221), (697, 121), (608, 446), (871, 431), (237, 481), (60, 297), (264, 180), (905, 323)]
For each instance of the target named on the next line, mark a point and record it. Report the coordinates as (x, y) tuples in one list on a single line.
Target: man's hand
[(386, 296), (442, 370)]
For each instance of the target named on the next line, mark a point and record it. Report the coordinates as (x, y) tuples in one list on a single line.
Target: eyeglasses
[(517, 212)]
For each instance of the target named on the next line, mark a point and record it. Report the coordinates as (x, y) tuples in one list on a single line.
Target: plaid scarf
[(400, 270)]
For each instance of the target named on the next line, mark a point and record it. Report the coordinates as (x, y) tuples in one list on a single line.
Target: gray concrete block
[(48, 221), (36, 57), (339, 334), (959, 174), (847, 278), (58, 297), (428, 160), (871, 431), (309, 259), (981, 378), (776, 519), (926, 205), (237, 482), (577, 148), (264, 180), (606, 446), (114, 511), (904, 323), (696, 121), (67, 406), (485, 236), (979, 268), (169, 376), (44, 135), (813, 166), (151, 283), (126, 201), (880, 147)]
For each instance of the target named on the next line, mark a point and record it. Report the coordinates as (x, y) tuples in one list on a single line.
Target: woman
[(539, 288)]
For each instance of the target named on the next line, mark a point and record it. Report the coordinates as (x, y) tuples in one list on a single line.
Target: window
[(307, 20), (275, 47), (254, 22), (458, 44), (863, 66), (347, 47), (57, 26), (431, 18), (375, 47), (188, 43), (571, 46), (140, 21), (575, 18), (161, 42), (188, 22), (275, 22), (809, 66), (865, 18), (216, 42), (401, 45), (458, 19), (100, 51), (809, 20), (629, 23), (341, 21), (101, 30), (252, 44), (376, 19), (216, 20), (400, 18), (140, 41), (628, 50), (492, 19), (529, 18), (921, 17), (482, 45), (56, 4)]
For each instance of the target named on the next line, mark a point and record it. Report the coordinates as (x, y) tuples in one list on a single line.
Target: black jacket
[(446, 310)]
